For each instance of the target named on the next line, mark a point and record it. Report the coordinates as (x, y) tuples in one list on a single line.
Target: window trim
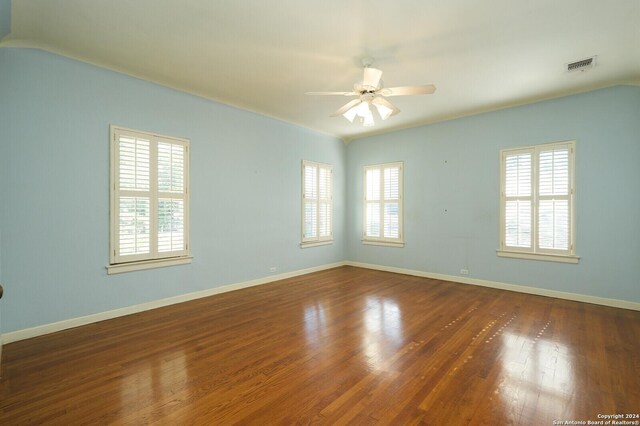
[(383, 241), (306, 242), (135, 263), (538, 256), (536, 253)]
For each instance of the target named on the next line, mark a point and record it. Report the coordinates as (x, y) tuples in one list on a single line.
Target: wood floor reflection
[(343, 346)]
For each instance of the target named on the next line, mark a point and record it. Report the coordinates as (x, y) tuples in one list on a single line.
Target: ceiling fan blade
[(425, 89), (382, 101), (346, 107), (371, 77), (331, 93)]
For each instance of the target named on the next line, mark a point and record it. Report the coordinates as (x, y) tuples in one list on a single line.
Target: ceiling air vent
[(582, 64)]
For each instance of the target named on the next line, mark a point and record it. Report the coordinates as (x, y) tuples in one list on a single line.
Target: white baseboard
[(616, 303), (76, 322), (40, 330)]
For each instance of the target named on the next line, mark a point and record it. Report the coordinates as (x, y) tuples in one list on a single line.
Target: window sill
[(383, 243), (536, 256), (315, 243), (148, 264)]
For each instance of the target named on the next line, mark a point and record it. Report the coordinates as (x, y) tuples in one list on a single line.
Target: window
[(317, 204), (537, 202), (149, 201), (383, 205)]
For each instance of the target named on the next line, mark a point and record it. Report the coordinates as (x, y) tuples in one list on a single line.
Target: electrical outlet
[(273, 269), (464, 272)]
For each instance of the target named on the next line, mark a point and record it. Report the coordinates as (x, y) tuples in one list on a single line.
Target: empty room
[(337, 212)]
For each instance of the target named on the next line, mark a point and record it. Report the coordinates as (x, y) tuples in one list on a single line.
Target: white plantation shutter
[(372, 222), (391, 221), (518, 194), (171, 197), (310, 201), (149, 196), (553, 200), (518, 224), (324, 202), (391, 212), (372, 177), (134, 226), (171, 158), (170, 225), (392, 183), (133, 204), (317, 202), (373, 180), (133, 163), (383, 203), (537, 199)]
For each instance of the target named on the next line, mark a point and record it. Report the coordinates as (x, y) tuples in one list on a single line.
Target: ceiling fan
[(371, 92)]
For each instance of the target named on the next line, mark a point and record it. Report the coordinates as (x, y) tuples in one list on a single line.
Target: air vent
[(582, 64)]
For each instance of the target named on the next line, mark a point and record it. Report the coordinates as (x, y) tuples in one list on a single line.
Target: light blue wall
[(54, 170), (5, 18), (451, 180), (54, 125)]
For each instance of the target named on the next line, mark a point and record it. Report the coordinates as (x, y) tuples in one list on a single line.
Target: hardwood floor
[(343, 346)]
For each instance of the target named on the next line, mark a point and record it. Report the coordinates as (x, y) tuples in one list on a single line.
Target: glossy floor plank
[(343, 346)]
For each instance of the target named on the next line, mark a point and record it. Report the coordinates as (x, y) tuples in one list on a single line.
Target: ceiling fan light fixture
[(368, 120), (371, 92), (351, 114), (363, 109), (384, 111), (371, 80)]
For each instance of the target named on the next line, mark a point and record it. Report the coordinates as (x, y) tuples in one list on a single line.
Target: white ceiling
[(263, 55)]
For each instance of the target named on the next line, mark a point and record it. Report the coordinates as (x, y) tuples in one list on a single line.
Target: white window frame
[(154, 259), (317, 240), (535, 252), (382, 240)]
